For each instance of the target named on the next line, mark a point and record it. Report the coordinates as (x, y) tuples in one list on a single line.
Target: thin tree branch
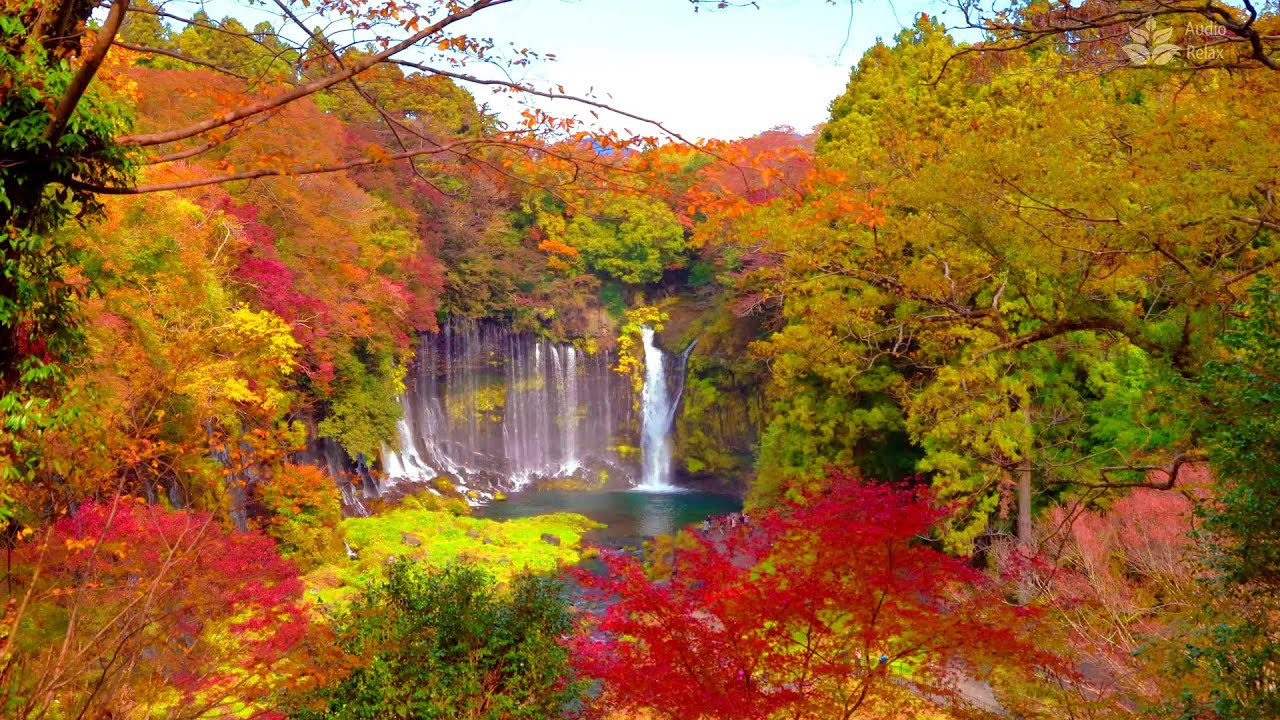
[(179, 56), (301, 91), (272, 172)]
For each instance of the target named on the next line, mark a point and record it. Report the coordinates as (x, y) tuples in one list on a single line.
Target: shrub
[(304, 509), (450, 644)]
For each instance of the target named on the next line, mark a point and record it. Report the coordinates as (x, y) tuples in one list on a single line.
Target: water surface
[(631, 516)]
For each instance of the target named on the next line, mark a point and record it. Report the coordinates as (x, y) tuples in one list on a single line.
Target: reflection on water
[(630, 516), (659, 517)]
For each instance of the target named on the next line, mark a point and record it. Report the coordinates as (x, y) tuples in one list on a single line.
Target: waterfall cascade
[(658, 407), (496, 409)]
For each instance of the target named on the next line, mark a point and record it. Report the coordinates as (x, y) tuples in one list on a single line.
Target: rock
[(410, 539), (489, 541), (474, 534), (550, 539)]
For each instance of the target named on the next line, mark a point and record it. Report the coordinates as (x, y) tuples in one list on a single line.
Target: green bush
[(451, 644), (363, 415)]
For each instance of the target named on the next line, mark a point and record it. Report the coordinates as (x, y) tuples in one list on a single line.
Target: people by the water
[(725, 522)]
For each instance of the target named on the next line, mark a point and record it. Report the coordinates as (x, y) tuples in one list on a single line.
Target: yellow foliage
[(630, 353)]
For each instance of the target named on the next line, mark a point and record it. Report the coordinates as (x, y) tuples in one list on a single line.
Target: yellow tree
[(1045, 246)]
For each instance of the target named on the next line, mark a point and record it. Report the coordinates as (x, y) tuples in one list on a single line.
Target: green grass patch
[(437, 538)]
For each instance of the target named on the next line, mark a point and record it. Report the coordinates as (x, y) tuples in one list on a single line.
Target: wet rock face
[(496, 409)]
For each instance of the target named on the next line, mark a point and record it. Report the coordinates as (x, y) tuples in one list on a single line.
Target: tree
[(303, 511), (632, 238), (1239, 414), (1209, 35), (962, 257), (831, 606), (38, 88), (185, 389), (1214, 35), (1121, 583), (121, 609), (450, 644)]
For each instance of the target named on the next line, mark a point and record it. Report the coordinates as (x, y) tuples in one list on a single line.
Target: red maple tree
[(121, 608), (833, 606)]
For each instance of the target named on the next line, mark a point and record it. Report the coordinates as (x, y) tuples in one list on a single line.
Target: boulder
[(550, 539), (410, 539)]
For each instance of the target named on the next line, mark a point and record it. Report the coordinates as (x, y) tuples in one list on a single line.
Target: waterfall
[(493, 409), (656, 414), (569, 413)]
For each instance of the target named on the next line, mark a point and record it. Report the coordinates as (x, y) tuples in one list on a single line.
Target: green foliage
[(363, 416), (811, 430), (941, 275), (715, 430), (613, 299), (441, 644), (1241, 419), (631, 238), (701, 273), (39, 283), (264, 57)]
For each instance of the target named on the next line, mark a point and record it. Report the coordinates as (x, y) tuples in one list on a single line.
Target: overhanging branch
[(71, 98), (305, 89)]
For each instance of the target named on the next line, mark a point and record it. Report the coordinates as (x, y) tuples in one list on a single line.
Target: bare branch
[(1171, 471), (179, 56), (305, 89), (207, 146), (550, 96), (275, 172)]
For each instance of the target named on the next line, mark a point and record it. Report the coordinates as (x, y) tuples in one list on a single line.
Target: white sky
[(723, 74)]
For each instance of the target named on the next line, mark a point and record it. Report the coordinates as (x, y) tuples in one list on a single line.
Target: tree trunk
[(1024, 490)]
